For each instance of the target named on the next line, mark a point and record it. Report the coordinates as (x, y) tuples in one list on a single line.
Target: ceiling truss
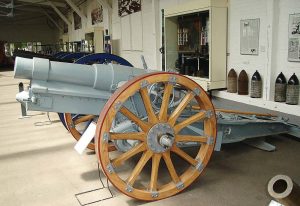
[(25, 10), (76, 9)]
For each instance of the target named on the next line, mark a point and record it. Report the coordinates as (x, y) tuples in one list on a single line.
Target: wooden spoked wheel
[(157, 138), (77, 124)]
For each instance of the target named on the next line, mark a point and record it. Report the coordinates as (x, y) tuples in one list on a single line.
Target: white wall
[(282, 10), (150, 31), (245, 9), (273, 40), (87, 27), (139, 41)]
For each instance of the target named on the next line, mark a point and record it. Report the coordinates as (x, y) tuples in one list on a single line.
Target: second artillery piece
[(144, 115)]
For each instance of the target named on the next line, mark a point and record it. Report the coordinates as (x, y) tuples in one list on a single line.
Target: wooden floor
[(38, 165)]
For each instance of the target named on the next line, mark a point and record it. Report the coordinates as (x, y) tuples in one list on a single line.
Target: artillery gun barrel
[(98, 76), (70, 88)]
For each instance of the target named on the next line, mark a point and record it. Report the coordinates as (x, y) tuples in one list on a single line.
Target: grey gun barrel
[(67, 87), (98, 76)]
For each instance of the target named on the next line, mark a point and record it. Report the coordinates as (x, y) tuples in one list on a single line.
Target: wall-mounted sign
[(97, 15), (249, 36), (127, 7), (294, 38), (77, 21)]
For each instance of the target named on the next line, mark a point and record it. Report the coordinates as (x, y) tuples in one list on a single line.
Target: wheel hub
[(160, 137)]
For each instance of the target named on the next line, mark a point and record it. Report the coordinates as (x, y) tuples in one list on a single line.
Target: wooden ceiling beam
[(60, 14), (76, 9)]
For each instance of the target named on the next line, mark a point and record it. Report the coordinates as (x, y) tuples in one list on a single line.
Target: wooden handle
[(238, 112)]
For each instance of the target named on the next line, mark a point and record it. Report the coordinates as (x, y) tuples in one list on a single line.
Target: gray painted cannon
[(72, 88), (143, 114)]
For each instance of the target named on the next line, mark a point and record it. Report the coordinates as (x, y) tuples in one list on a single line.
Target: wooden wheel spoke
[(127, 155), (84, 119), (126, 112), (190, 138), (173, 117), (189, 121), (184, 155), (165, 102), (154, 171), (129, 135), (196, 107), (170, 166), (138, 168), (147, 103)]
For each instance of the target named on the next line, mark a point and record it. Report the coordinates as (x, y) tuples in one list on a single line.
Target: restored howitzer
[(145, 114)]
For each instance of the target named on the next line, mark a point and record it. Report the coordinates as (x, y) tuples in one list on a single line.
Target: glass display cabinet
[(195, 41)]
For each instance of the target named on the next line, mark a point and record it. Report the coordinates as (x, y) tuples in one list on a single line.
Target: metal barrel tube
[(23, 68), (97, 76), (284, 190), (45, 70), (67, 87)]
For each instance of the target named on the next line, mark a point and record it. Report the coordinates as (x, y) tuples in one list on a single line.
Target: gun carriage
[(142, 115)]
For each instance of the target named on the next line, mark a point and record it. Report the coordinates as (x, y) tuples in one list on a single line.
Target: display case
[(195, 41)]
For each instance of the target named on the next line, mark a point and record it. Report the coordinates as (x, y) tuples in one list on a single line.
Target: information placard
[(294, 38)]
